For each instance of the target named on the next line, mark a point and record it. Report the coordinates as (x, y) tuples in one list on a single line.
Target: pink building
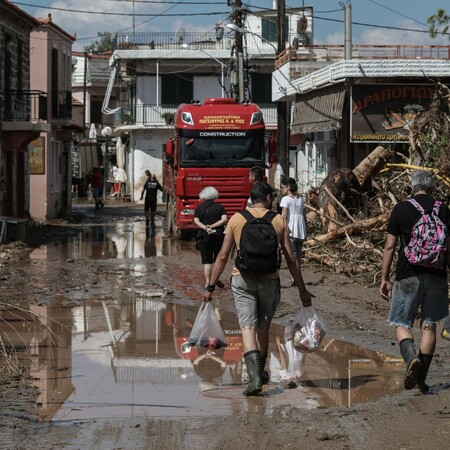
[(36, 121), (50, 154)]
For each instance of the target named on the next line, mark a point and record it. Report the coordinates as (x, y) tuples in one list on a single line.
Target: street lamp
[(222, 65), (106, 133)]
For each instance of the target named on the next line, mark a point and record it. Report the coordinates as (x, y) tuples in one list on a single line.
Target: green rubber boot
[(253, 363), (413, 363), (423, 372)]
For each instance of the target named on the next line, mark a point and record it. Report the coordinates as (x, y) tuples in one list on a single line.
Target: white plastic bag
[(308, 330), (207, 331)]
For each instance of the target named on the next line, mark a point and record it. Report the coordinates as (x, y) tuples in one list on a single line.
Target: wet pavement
[(126, 354)]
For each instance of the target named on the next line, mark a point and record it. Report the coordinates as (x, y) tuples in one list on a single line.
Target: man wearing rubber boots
[(420, 283), (256, 296)]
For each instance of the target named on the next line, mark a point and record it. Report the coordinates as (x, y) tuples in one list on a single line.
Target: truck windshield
[(208, 152)]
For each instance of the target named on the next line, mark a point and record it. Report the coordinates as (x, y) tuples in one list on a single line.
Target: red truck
[(215, 144)]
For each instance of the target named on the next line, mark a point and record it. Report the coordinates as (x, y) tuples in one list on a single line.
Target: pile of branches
[(349, 211)]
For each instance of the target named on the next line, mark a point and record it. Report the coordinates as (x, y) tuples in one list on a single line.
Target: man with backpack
[(258, 234), (422, 225)]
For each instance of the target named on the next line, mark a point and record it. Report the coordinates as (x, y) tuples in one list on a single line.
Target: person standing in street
[(256, 175), (256, 296), (416, 287), (293, 210), (150, 189), (97, 187), (210, 217)]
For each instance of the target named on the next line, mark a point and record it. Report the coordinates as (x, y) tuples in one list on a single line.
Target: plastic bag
[(207, 331), (308, 330)]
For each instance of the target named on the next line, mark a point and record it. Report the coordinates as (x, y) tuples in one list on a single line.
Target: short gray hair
[(423, 180), (209, 193)]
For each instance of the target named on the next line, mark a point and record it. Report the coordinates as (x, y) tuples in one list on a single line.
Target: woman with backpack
[(293, 210), (210, 217)]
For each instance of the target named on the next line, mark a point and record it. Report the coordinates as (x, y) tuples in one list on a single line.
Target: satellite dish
[(179, 35)]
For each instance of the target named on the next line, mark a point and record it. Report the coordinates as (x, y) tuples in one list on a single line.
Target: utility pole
[(282, 106), (240, 94), (85, 88), (348, 31)]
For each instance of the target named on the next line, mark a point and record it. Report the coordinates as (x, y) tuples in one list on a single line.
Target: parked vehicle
[(215, 144)]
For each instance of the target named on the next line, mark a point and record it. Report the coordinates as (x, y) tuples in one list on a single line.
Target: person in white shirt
[(293, 210)]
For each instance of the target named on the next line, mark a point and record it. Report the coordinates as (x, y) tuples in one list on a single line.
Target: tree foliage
[(429, 135), (102, 45), (439, 23)]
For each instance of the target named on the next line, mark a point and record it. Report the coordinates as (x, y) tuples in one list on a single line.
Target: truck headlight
[(186, 117), (256, 117), (187, 212)]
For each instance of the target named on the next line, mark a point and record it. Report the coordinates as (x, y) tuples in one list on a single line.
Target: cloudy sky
[(374, 21)]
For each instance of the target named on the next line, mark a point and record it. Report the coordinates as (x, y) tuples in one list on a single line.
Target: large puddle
[(130, 356)]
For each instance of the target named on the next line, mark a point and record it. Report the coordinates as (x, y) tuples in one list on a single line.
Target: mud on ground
[(352, 312)]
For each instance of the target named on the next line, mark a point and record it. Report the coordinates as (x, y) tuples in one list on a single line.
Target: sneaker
[(219, 284)]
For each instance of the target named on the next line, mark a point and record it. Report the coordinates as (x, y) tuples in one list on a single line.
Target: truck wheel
[(185, 234)]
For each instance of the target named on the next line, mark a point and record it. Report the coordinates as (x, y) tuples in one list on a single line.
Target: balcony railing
[(24, 106), (256, 44), (336, 52), (202, 41), (152, 115), (62, 104)]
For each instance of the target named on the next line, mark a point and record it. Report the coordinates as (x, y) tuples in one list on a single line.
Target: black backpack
[(258, 249)]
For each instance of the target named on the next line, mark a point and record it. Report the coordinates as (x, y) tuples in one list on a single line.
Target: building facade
[(23, 116), (50, 153), (163, 70), (346, 109)]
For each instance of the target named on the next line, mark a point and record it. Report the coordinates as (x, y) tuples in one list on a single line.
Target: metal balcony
[(24, 106), (61, 104)]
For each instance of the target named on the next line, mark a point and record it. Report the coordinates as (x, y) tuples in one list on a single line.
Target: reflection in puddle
[(103, 242), (131, 358)]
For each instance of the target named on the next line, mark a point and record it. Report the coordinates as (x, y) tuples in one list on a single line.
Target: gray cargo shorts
[(256, 299)]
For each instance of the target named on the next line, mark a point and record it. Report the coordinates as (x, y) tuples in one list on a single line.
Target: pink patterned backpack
[(428, 244)]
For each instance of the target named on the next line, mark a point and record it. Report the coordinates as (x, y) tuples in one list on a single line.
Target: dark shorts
[(96, 192), (210, 248), (150, 205), (427, 292), (256, 299)]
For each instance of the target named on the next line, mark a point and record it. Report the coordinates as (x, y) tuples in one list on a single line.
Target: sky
[(402, 22)]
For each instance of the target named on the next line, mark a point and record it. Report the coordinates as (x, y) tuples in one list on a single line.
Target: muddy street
[(116, 371)]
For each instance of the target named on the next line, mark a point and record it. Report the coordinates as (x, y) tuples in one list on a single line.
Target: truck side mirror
[(272, 145), (169, 152)]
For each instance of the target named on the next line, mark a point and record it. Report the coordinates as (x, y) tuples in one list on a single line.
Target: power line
[(373, 25), (80, 11), (167, 2), (396, 12)]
